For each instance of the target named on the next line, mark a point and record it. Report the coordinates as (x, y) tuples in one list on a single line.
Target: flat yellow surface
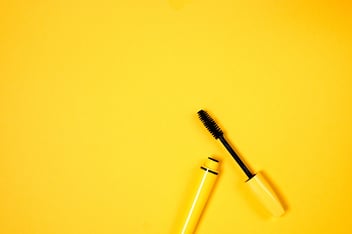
[(98, 125)]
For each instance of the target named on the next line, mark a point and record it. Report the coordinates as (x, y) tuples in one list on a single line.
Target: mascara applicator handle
[(265, 194)]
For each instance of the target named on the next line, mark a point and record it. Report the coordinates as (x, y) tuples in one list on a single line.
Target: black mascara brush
[(216, 131), (256, 181)]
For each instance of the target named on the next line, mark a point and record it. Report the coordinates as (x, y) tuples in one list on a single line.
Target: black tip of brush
[(210, 124)]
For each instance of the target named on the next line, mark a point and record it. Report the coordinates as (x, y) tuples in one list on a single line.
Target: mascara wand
[(256, 182), (216, 131)]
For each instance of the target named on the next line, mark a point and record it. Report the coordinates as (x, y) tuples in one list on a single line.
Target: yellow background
[(98, 125)]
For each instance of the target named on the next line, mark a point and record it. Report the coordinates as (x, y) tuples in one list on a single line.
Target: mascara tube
[(209, 173)]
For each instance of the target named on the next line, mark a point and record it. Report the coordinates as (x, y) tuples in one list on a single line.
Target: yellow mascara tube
[(209, 174)]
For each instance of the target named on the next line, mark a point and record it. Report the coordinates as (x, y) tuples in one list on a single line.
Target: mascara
[(261, 188)]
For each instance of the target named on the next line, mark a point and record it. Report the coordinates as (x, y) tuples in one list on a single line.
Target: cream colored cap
[(266, 194)]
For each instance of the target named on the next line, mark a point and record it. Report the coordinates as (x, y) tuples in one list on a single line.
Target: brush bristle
[(210, 124)]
